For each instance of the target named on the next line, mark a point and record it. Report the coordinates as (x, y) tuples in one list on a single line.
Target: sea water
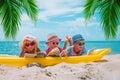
[(12, 47)]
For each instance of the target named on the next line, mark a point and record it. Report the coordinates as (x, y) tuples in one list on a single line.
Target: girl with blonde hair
[(29, 45)]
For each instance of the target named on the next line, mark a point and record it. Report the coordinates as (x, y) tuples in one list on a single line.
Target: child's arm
[(23, 52), (65, 45), (38, 50), (67, 39)]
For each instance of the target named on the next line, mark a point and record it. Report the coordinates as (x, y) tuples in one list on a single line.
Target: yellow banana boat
[(95, 55)]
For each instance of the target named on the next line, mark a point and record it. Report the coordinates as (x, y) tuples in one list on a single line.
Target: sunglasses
[(80, 43), (30, 44), (55, 43)]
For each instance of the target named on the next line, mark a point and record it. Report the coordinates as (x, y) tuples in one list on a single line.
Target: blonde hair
[(31, 38)]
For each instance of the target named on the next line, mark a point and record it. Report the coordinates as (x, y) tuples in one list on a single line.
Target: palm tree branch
[(11, 18), (89, 8), (31, 8), (109, 12), (10, 13)]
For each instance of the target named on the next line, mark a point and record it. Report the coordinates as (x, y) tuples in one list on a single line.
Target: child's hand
[(68, 38), (24, 49)]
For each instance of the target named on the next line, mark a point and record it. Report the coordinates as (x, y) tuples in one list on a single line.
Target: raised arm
[(67, 39)]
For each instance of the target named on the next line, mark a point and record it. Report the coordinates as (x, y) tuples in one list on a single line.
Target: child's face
[(30, 45), (54, 43), (79, 44)]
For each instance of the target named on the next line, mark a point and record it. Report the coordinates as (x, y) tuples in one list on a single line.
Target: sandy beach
[(109, 69)]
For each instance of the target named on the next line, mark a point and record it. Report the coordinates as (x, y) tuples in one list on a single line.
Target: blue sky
[(62, 17)]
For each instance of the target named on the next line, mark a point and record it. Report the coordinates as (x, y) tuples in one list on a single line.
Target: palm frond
[(89, 8), (109, 13), (10, 13), (31, 8)]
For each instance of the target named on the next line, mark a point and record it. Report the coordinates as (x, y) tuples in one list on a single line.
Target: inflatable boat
[(94, 55)]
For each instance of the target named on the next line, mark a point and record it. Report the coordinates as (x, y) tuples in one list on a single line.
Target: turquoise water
[(12, 47)]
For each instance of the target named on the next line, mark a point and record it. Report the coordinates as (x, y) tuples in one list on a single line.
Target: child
[(29, 45), (77, 47), (53, 42)]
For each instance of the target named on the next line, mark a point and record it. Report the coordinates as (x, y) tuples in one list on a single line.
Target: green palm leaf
[(10, 12), (31, 8), (109, 13), (90, 7)]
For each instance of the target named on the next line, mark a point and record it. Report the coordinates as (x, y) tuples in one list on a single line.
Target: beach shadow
[(35, 64), (104, 60)]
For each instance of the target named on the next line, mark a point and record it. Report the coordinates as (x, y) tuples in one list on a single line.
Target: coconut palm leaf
[(90, 7), (10, 12), (31, 8), (109, 13)]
